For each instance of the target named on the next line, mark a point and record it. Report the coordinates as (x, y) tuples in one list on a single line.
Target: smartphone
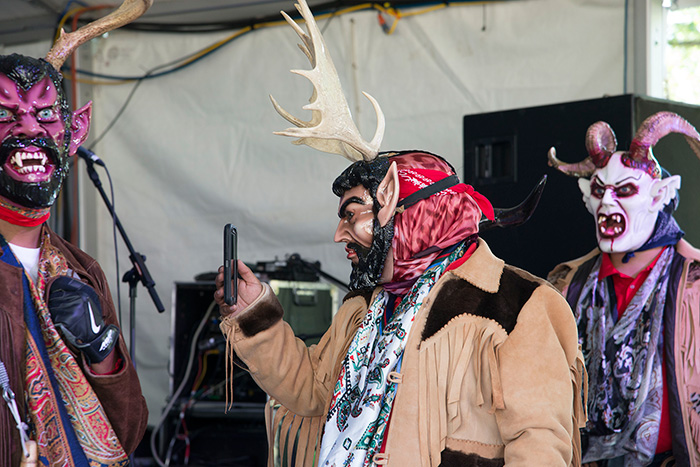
[(230, 264)]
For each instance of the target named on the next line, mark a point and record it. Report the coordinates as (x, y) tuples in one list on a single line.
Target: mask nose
[(608, 197), (341, 233), (27, 126)]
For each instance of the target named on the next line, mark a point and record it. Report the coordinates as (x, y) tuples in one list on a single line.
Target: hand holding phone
[(230, 264)]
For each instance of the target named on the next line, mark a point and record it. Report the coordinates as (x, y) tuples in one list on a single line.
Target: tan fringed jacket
[(681, 334), (491, 374)]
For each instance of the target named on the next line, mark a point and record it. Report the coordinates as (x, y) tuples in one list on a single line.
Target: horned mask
[(625, 190), (38, 131)]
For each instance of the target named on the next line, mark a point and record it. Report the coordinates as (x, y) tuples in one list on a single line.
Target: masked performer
[(441, 354), (71, 390), (635, 298)]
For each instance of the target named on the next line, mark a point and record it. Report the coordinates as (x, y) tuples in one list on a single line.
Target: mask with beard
[(38, 132), (370, 259), (32, 194), (368, 270)]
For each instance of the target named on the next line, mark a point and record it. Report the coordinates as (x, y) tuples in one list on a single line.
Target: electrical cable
[(186, 436), (202, 368), (185, 378), (118, 114), (204, 27), (195, 57), (171, 444), (139, 80), (199, 379), (393, 11), (64, 18), (116, 247)]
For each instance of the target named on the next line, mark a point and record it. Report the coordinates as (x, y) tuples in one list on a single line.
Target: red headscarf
[(424, 229)]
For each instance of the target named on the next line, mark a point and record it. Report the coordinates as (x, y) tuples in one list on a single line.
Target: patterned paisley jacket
[(120, 393)]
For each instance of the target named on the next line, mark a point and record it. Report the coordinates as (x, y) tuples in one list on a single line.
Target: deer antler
[(67, 43), (331, 128)]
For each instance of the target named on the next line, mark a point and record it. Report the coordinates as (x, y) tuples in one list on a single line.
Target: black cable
[(319, 9), (116, 249), (119, 113), (175, 396), (328, 22), (136, 86)]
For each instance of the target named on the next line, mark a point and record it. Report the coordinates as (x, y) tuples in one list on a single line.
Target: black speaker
[(505, 155), (191, 302), (200, 429), (308, 308), (215, 435)]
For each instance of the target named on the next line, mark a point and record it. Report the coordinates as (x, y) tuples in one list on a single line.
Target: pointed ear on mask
[(663, 191), (388, 195), (79, 127), (584, 184)]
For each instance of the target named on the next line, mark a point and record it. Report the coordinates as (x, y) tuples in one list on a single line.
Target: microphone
[(89, 156)]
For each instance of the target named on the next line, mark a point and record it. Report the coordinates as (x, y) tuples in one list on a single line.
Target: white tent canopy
[(194, 149)]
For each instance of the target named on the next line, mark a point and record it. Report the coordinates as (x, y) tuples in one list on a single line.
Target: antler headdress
[(601, 145), (331, 128), (67, 43)]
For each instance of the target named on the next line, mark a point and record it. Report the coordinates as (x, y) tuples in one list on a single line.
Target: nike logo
[(93, 324), (108, 340)]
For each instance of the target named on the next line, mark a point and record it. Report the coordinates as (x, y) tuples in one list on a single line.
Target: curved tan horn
[(651, 130), (584, 169), (66, 44), (600, 143)]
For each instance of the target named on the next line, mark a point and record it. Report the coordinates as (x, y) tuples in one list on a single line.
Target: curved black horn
[(518, 215)]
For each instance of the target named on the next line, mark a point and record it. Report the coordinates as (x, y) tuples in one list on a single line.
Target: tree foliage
[(683, 55)]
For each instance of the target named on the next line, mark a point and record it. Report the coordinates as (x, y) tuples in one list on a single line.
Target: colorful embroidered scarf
[(364, 393), (67, 419), (624, 362)]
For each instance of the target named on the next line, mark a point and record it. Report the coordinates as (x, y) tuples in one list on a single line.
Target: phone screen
[(230, 264)]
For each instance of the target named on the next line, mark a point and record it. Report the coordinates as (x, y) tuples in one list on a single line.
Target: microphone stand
[(139, 270)]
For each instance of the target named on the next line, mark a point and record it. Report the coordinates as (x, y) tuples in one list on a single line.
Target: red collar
[(460, 261), (607, 268)]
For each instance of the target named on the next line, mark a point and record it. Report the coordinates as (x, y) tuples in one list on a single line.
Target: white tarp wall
[(194, 149)]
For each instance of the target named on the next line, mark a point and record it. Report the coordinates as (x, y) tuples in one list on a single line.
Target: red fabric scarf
[(423, 230), (22, 216)]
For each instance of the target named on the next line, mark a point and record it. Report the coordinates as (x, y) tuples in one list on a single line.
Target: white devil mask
[(623, 189), (625, 203)]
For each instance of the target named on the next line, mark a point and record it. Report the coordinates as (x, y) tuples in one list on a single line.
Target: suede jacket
[(491, 374), (120, 393), (681, 331)]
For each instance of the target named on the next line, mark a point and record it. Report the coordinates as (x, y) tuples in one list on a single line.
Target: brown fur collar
[(458, 297), (364, 293), (267, 313), (451, 458)]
